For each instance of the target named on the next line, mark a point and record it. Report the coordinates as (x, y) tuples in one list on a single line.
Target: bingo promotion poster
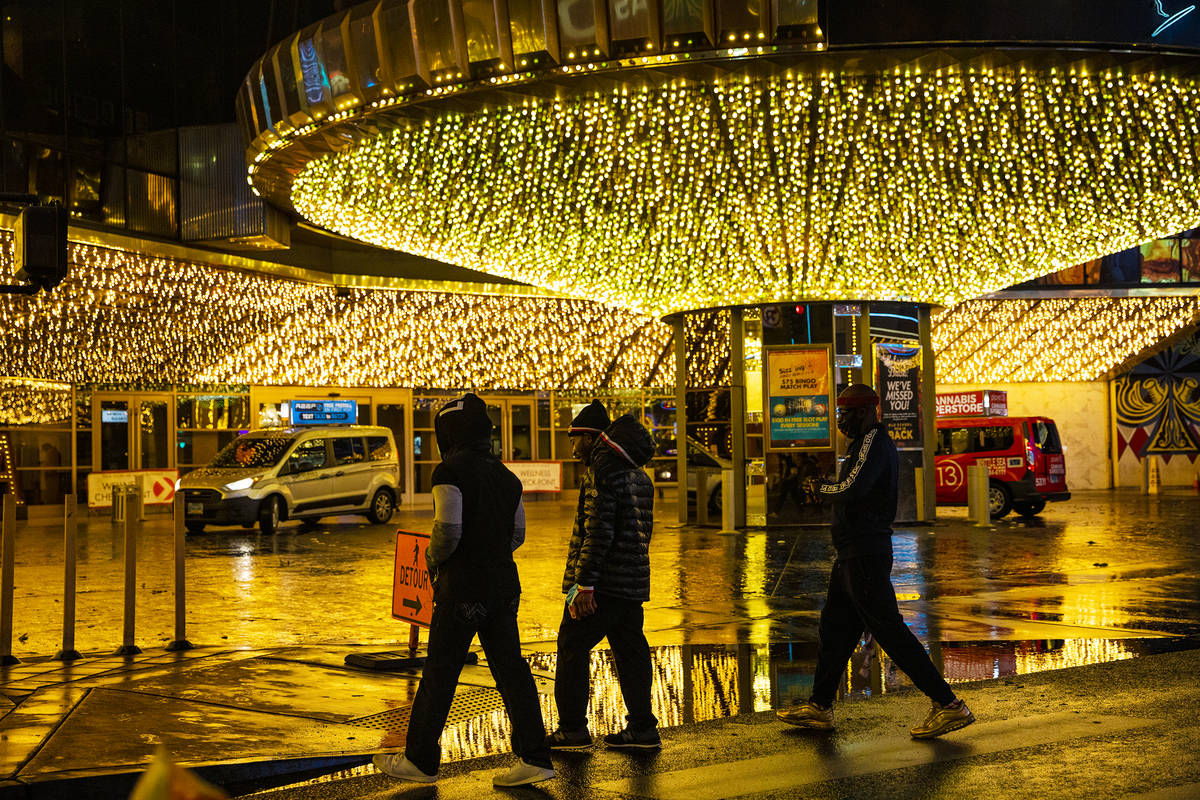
[(798, 397)]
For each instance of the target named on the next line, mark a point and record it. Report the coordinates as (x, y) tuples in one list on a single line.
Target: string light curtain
[(925, 186), (1056, 339), (127, 318)]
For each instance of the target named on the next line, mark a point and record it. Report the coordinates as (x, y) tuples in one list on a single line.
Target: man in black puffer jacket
[(606, 581)]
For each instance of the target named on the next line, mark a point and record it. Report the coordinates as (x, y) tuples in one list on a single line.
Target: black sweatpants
[(621, 622), (451, 630), (861, 598)]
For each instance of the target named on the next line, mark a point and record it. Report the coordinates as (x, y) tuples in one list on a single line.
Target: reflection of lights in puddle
[(779, 674)]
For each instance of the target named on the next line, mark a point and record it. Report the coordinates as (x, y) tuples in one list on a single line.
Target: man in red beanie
[(861, 597)]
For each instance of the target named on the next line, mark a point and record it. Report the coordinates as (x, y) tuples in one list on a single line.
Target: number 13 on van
[(412, 590)]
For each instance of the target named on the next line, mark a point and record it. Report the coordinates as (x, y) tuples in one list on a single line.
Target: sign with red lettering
[(979, 403), (412, 590)]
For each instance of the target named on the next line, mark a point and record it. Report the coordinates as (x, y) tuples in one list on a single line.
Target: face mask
[(848, 422)]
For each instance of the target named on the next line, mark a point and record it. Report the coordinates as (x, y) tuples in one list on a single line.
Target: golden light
[(933, 187), (1058, 339), (127, 318)]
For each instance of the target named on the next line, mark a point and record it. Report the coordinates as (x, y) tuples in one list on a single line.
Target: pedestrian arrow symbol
[(412, 589)]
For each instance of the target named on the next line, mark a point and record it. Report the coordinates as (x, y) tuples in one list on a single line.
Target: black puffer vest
[(610, 544)]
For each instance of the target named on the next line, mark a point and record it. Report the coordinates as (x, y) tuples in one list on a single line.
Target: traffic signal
[(40, 245)]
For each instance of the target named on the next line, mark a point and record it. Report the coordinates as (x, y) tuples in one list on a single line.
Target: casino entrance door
[(132, 431)]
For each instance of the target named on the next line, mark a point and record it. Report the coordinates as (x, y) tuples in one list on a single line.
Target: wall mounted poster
[(798, 397), (898, 378)]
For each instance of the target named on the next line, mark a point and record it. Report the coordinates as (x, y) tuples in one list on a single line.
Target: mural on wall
[(1158, 404)]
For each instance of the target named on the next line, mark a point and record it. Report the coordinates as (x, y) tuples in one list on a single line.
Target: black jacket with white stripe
[(864, 498)]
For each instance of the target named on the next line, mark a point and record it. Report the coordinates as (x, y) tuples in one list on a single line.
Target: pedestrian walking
[(479, 521), (861, 597), (607, 578)]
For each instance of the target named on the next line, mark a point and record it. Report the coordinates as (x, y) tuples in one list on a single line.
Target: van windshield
[(252, 452)]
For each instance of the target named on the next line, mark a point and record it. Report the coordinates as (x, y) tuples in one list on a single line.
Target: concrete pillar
[(735, 495), (928, 412), (679, 326)]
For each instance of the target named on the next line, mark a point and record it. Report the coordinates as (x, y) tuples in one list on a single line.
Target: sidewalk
[(249, 720)]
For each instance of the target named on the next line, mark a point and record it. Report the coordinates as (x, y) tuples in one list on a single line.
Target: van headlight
[(237, 486)]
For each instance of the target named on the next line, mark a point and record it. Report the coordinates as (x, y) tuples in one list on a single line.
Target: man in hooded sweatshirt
[(479, 521), (606, 580), (861, 597)]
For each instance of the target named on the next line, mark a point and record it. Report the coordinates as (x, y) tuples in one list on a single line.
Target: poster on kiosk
[(798, 397), (898, 376)]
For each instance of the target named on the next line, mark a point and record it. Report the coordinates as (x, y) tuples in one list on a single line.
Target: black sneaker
[(634, 740), (569, 740)]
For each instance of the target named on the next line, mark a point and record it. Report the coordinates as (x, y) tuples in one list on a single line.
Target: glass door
[(519, 431), (131, 432)]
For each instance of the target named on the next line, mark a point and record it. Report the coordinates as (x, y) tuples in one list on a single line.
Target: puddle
[(697, 683)]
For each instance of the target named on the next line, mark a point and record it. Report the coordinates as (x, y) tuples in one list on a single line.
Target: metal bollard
[(919, 492), (70, 528), (118, 504), (128, 648), (977, 495), (180, 642), (8, 538), (727, 515)]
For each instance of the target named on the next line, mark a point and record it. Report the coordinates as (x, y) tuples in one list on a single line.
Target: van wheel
[(382, 506), (999, 500), (194, 527), (1029, 508), (270, 513)]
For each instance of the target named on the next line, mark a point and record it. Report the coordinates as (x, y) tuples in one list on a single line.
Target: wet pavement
[(1108, 578)]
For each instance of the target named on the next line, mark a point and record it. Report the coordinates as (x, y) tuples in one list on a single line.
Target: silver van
[(270, 475)]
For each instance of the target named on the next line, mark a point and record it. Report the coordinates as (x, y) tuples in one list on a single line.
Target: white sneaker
[(398, 766), (523, 773)]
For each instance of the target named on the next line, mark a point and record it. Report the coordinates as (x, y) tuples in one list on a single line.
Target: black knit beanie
[(593, 419), (461, 422)]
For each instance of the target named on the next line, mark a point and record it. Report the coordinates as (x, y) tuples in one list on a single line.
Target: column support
[(737, 414), (928, 410), (678, 324)]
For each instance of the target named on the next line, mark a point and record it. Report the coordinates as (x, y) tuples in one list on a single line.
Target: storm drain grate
[(467, 705)]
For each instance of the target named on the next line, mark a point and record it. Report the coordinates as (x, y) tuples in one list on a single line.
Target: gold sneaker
[(943, 720), (807, 715)]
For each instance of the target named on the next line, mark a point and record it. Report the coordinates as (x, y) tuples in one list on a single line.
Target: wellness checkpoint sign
[(412, 590), (898, 371)]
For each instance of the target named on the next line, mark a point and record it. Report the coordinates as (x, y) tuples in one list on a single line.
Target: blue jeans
[(861, 598), (451, 630)]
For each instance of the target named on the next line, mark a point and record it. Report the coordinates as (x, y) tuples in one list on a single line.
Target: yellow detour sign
[(412, 591)]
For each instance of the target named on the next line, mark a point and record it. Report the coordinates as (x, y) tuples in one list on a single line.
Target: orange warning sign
[(412, 590)]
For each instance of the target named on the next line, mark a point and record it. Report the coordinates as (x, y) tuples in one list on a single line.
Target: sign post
[(412, 602)]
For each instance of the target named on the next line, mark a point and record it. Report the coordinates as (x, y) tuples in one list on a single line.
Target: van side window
[(994, 437), (379, 448), (960, 440), (348, 450), (307, 456), (1045, 436)]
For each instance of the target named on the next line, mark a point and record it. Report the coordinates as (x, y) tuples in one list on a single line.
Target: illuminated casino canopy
[(665, 156)]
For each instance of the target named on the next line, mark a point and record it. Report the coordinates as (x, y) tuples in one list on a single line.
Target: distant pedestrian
[(606, 580), (861, 597), (479, 521)]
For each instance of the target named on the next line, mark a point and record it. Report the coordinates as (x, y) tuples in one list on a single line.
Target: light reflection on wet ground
[(1103, 565)]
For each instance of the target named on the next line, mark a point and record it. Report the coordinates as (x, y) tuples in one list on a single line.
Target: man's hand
[(584, 604)]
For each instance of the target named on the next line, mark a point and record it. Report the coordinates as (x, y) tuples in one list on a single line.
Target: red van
[(1024, 457)]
